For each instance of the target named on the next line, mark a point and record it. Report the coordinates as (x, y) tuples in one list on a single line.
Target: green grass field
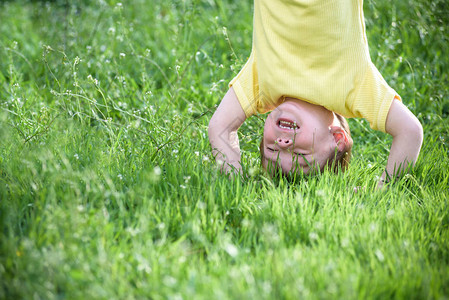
[(109, 191)]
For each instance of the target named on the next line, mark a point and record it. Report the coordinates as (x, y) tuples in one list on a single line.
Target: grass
[(108, 188)]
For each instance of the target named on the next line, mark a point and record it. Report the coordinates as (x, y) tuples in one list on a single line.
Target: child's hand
[(380, 184), (407, 135), (223, 137), (229, 167)]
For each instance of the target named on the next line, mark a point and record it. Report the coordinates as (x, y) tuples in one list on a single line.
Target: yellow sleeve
[(374, 99), (246, 86)]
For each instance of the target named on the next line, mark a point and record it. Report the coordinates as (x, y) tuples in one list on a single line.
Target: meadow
[(108, 188)]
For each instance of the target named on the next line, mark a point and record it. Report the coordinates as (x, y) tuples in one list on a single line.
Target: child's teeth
[(287, 125)]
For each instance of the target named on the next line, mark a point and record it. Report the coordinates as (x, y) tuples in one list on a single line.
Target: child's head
[(299, 135)]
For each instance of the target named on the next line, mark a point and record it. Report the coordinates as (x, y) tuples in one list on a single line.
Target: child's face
[(297, 135)]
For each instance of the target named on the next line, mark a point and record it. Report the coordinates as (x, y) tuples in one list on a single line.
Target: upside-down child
[(310, 66)]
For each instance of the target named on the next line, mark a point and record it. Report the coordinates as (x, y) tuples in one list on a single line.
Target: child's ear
[(340, 137)]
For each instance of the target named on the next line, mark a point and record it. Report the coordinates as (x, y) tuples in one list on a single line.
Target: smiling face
[(298, 135)]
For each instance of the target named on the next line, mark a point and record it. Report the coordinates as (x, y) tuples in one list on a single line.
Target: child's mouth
[(287, 124)]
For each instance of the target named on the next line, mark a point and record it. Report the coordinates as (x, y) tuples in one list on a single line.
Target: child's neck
[(328, 117)]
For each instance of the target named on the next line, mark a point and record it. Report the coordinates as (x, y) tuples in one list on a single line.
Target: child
[(310, 66)]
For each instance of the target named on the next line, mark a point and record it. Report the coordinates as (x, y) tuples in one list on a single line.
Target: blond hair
[(340, 160)]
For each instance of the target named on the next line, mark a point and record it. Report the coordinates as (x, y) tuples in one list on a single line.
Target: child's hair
[(336, 161), (340, 160)]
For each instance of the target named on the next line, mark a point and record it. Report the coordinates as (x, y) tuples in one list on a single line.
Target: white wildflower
[(231, 250), (379, 255), (157, 171), (313, 236)]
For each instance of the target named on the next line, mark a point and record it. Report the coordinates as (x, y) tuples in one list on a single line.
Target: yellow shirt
[(316, 51)]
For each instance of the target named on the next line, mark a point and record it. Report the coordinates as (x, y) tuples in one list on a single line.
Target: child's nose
[(284, 142)]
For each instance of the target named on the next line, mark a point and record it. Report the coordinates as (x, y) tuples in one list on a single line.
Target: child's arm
[(407, 135), (223, 127)]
